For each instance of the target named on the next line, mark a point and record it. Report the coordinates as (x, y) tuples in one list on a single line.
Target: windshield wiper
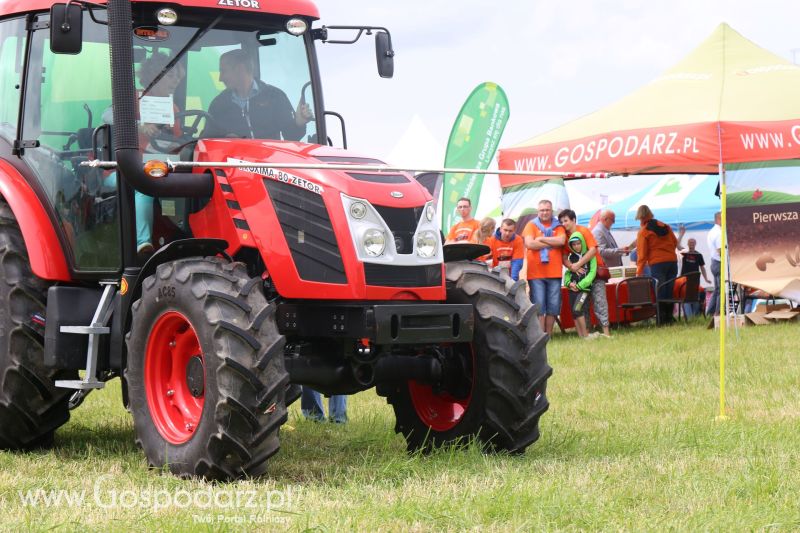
[(196, 37)]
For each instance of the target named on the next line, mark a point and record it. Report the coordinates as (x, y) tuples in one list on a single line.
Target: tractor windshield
[(223, 76), (213, 74)]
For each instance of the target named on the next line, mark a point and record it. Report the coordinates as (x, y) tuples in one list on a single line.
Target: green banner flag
[(473, 143)]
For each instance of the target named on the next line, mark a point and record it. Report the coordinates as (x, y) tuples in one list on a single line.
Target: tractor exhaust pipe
[(404, 368), (322, 375), (126, 135)]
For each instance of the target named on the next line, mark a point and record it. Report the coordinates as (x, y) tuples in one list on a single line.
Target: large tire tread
[(511, 375), (31, 407), (235, 325)]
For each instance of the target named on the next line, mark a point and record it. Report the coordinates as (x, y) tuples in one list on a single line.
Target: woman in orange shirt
[(655, 245)]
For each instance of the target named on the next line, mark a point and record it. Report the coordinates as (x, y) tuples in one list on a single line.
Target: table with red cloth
[(627, 315)]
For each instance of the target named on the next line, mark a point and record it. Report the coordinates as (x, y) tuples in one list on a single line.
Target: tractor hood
[(324, 233), (390, 189)]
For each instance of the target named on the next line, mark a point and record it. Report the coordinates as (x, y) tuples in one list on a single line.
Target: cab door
[(66, 98)]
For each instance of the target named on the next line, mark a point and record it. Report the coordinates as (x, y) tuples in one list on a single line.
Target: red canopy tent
[(728, 101)]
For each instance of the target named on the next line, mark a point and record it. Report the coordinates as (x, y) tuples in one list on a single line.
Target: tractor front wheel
[(494, 388), (205, 371)]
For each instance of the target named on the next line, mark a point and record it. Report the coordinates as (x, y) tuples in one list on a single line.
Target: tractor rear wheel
[(31, 407), (494, 388), (205, 371)]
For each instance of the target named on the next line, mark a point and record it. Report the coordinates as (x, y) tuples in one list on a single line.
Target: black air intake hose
[(126, 136)]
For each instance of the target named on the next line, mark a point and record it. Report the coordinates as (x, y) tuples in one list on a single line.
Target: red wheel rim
[(172, 343), (440, 411)]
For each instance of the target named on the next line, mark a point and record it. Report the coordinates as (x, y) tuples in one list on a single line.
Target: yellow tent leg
[(723, 287)]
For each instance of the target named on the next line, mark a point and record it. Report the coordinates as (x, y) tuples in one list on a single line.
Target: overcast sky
[(556, 60)]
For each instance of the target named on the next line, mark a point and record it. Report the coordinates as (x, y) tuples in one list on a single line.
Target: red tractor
[(145, 235)]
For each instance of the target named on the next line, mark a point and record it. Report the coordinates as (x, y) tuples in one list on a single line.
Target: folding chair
[(641, 296), (687, 291)]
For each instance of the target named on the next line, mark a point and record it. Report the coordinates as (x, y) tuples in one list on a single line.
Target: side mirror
[(66, 29), (384, 54)]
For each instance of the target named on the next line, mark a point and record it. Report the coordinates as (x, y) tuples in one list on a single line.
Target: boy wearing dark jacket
[(579, 283)]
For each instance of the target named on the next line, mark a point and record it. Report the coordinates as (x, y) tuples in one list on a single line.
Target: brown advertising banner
[(763, 219)]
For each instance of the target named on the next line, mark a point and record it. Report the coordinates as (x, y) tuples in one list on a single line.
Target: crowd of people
[(562, 253)]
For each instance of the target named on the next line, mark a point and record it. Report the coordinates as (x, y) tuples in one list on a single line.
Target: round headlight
[(296, 26), (430, 212), (374, 242), (427, 243), (358, 210), (167, 16)]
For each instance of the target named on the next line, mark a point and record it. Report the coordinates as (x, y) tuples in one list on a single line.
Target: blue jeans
[(713, 304), (663, 272), (144, 213), (691, 310), (546, 294), (311, 406)]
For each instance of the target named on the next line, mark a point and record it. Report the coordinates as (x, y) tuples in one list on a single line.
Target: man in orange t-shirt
[(462, 231), (544, 238), (508, 249), (568, 219)]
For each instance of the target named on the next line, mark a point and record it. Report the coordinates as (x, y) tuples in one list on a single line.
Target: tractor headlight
[(427, 243), (358, 210), (430, 212), (166, 16), (296, 26), (374, 242)]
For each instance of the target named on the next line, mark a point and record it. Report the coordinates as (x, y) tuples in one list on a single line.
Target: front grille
[(308, 230), (379, 178), (403, 276), (403, 224)]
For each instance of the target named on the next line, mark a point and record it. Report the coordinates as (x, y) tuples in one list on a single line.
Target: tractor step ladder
[(98, 327)]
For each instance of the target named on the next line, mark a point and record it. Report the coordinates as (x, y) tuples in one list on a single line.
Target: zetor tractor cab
[(210, 249)]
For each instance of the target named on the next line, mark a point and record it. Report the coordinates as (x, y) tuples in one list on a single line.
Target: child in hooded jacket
[(579, 283)]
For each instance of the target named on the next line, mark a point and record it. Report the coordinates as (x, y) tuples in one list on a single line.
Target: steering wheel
[(167, 142)]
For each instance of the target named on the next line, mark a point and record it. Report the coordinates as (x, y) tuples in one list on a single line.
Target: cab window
[(12, 47), (66, 98)]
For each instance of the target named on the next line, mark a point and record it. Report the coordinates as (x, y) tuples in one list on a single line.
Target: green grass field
[(631, 442)]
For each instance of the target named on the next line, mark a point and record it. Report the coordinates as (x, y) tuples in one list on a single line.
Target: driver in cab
[(249, 108)]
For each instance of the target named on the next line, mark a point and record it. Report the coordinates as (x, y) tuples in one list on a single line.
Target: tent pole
[(723, 287)]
